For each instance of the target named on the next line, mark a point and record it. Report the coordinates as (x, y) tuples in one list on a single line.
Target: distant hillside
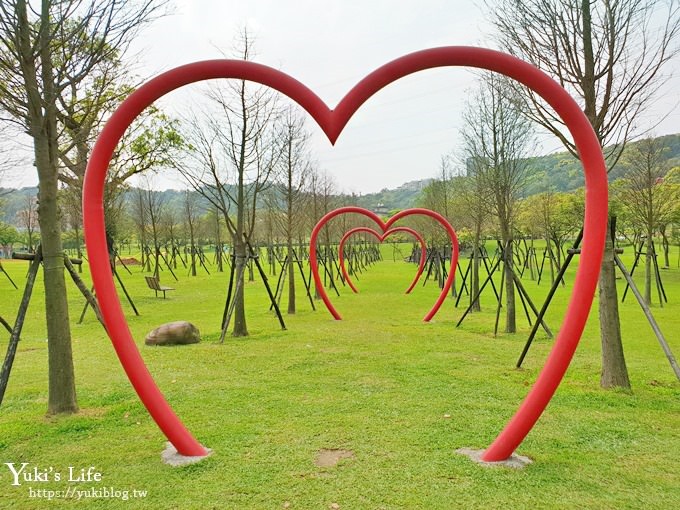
[(563, 172), (559, 171), (14, 200), (403, 197)]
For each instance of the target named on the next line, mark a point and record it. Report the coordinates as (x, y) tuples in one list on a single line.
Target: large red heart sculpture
[(332, 123), (386, 227), (381, 238)]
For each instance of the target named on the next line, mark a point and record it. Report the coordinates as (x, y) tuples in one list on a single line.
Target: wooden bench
[(155, 285)]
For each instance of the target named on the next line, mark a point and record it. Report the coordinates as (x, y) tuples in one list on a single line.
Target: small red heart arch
[(386, 227), (381, 238), (332, 123)]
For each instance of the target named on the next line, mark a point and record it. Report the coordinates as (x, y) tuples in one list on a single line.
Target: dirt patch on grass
[(131, 261), (330, 457)]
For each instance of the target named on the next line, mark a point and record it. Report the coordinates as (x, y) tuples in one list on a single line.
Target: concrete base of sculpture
[(514, 461), (173, 458)]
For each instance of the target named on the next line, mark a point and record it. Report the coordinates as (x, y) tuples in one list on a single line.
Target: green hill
[(403, 197), (559, 171), (563, 172)]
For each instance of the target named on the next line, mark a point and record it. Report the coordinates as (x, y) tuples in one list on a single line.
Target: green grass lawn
[(400, 394)]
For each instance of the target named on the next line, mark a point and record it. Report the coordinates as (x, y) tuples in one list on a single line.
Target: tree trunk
[(510, 315), (648, 268), (328, 255), (291, 280), (474, 277), (43, 130), (291, 262), (289, 230), (241, 259), (79, 253), (666, 247), (558, 252), (62, 390), (218, 243), (240, 327), (550, 260), (193, 256), (614, 371)]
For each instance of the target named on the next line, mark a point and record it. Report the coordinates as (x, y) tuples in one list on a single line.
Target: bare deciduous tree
[(191, 218), (141, 220), (649, 201), (321, 200), (472, 198), (497, 138), (609, 55), (153, 206), (294, 168), (437, 195), (28, 219), (8, 154), (233, 157)]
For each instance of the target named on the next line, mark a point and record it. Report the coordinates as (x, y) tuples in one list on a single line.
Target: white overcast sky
[(400, 134)]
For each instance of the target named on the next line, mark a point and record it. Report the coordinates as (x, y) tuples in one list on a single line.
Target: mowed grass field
[(399, 394)]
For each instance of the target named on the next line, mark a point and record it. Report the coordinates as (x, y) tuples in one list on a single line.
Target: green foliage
[(466, 238), (553, 214), (159, 137), (673, 175), (8, 234)]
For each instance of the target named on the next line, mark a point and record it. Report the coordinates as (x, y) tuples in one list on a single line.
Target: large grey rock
[(174, 333)]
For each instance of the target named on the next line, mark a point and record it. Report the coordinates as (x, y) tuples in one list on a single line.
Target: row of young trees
[(608, 56), (611, 59)]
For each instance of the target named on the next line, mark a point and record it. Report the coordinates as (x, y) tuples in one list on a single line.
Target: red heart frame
[(332, 123), (381, 238), (385, 226)]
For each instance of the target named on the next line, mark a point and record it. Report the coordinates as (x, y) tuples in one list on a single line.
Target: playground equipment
[(332, 122)]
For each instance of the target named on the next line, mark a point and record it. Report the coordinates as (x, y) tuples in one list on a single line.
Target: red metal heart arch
[(332, 123), (381, 238), (386, 227)]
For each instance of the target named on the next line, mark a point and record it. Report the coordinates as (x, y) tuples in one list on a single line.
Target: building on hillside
[(380, 210)]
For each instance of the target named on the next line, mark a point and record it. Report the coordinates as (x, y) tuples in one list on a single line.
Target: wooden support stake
[(19, 323), (2, 270), (548, 299), (479, 292), (648, 313), (304, 280), (84, 291), (6, 325), (256, 258)]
